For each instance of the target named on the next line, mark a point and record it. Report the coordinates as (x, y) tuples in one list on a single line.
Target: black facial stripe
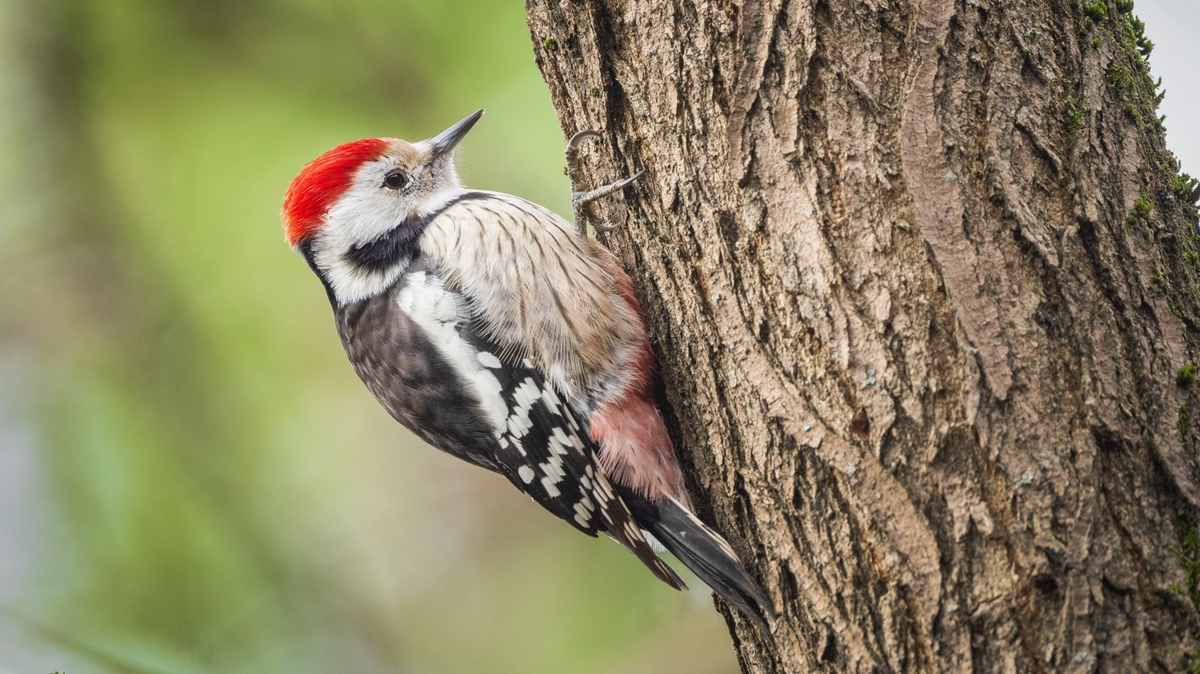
[(399, 242)]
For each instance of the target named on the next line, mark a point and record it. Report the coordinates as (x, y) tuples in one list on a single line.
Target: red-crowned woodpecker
[(497, 332)]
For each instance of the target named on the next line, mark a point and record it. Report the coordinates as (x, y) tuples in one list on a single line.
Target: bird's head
[(358, 191)]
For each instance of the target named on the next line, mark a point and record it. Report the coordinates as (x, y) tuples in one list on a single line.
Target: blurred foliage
[(191, 477)]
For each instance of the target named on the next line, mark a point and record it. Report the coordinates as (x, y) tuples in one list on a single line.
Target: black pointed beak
[(445, 141)]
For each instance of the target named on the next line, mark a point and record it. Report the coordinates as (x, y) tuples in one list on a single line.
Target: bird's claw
[(579, 137), (580, 200)]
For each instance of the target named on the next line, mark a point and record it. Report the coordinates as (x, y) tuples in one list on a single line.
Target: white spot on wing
[(526, 474), (489, 360), (583, 511), (563, 441), (603, 489), (526, 393), (551, 490), (631, 530), (553, 469), (518, 425), (551, 399), (518, 422)]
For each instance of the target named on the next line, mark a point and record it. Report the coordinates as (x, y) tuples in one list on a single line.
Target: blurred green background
[(191, 477)]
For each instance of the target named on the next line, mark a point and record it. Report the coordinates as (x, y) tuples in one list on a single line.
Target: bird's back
[(538, 290)]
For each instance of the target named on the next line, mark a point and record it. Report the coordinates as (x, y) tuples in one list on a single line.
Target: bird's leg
[(581, 200)]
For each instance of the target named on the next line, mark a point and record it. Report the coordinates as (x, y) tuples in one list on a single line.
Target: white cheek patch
[(439, 312), (350, 283), (367, 210), (363, 214)]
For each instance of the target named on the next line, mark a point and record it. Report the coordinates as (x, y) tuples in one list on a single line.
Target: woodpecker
[(497, 332)]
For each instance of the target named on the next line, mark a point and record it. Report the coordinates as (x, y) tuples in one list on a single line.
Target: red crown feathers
[(320, 183)]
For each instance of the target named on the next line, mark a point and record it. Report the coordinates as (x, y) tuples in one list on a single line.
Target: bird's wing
[(545, 452), (434, 371), (408, 368)]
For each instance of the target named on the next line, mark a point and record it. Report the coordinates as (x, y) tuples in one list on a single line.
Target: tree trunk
[(920, 276)]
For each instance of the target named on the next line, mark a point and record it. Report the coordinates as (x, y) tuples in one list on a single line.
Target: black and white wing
[(414, 379), (417, 351), (546, 453)]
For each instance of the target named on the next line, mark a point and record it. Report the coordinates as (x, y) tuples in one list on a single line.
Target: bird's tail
[(703, 551)]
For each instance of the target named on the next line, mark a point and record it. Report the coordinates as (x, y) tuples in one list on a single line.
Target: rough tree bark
[(921, 276)]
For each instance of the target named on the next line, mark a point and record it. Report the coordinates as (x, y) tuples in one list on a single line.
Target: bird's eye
[(395, 179)]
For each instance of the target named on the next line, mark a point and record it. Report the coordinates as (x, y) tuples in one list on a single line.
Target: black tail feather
[(703, 551)]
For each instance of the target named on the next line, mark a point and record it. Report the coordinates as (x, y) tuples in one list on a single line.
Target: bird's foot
[(581, 200)]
